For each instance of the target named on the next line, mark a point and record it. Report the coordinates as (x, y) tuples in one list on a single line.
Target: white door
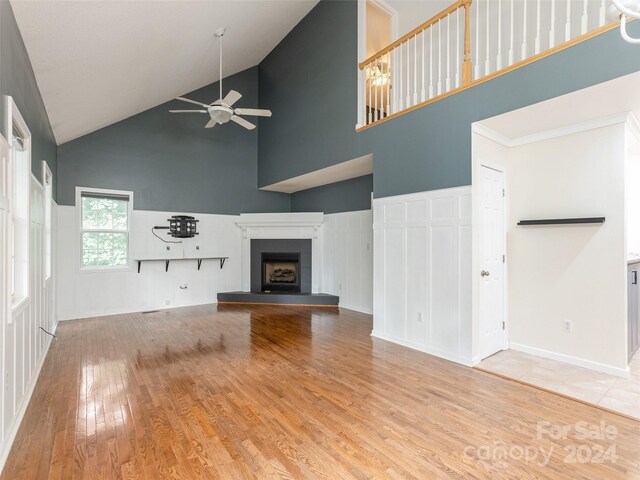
[(492, 261)]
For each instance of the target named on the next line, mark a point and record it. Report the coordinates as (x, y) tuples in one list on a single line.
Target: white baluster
[(370, 95), (423, 91), (431, 62), (567, 25), (375, 92), (524, 31), (439, 57), (415, 69), (538, 27), (477, 45), (388, 110), (499, 55), (364, 94), (552, 29), (511, 40), (457, 79), (585, 17), (400, 69), (408, 99), (448, 80), (487, 64), (602, 14)]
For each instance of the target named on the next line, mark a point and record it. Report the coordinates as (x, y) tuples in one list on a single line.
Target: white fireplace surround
[(283, 226)]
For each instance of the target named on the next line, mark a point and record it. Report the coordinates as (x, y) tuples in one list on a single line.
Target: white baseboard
[(467, 362), (5, 448), (355, 309), (579, 362), (124, 311)]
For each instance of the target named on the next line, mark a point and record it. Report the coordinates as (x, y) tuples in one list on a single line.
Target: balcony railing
[(465, 43)]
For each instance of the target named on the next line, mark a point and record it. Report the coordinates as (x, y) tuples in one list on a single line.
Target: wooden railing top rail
[(420, 28)]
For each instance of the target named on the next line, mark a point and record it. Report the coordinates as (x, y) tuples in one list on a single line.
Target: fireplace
[(280, 272), (292, 259)]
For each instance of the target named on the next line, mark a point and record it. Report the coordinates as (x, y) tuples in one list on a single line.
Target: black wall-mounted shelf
[(167, 260), (563, 221)]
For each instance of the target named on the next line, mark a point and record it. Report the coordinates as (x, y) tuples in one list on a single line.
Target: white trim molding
[(579, 362)]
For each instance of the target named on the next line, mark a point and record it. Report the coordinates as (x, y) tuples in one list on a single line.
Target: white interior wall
[(569, 272), (632, 150), (23, 346), (348, 259), (422, 272), (347, 270), (88, 294)]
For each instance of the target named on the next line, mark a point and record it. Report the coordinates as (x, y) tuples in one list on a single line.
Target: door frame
[(476, 267)]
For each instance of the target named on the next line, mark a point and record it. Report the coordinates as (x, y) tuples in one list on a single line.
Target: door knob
[(484, 273)]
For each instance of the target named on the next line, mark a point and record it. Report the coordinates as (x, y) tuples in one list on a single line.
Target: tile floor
[(614, 393)]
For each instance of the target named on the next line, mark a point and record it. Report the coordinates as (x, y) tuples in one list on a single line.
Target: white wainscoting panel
[(422, 268), (23, 345), (347, 267), (92, 294)]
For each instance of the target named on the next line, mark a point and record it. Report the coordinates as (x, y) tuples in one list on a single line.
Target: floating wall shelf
[(167, 260), (563, 221)]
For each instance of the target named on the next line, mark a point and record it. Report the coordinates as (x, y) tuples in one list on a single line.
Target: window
[(19, 203), (47, 178), (105, 219)]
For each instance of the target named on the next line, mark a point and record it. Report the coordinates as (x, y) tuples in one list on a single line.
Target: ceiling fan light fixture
[(221, 111)]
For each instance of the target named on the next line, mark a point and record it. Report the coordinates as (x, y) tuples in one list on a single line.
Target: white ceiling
[(596, 102), (98, 62)]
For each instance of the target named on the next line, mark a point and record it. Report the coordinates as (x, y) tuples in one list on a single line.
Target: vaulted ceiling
[(99, 62)]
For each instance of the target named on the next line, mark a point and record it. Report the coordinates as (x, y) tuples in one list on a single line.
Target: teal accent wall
[(18, 80), (310, 81), (171, 162), (346, 196)]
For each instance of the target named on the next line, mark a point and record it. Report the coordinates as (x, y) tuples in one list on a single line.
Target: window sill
[(124, 269)]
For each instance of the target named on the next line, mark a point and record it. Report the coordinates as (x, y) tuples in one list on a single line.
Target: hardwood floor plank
[(259, 391)]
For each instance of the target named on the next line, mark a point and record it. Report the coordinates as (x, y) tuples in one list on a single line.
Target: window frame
[(13, 117), (79, 230), (47, 183)]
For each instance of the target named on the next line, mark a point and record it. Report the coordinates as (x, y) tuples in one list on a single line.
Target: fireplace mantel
[(284, 226)]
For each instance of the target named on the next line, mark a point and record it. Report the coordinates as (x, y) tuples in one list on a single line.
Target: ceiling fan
[(221, 110)]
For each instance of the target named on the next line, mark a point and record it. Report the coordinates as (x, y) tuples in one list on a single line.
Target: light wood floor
[(282, 392)]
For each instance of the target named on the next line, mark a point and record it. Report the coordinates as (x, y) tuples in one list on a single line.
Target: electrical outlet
[(197, 247), (167, 302), (168, 247), (567, 325), (419, 317)]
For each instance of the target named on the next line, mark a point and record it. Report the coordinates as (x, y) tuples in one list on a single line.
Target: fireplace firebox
[(280, 272)]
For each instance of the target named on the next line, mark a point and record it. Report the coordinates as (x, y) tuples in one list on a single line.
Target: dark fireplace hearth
[(280, 272)]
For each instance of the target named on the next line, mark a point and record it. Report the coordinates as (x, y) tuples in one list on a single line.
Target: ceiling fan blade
[(217, 102), (253, 111), (231, 98), (192, 101), (210, 124), (242, 122), (188, 111)]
